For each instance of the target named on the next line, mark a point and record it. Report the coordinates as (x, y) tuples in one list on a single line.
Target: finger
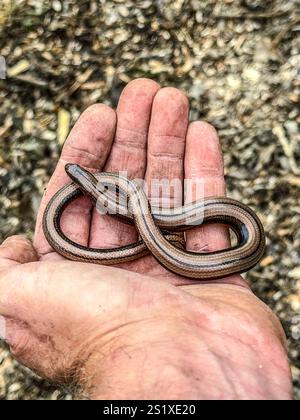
[(128, 154), (88, 144), (166, 147), (165, 155), (16, 250), (204, 167), (134, 112)]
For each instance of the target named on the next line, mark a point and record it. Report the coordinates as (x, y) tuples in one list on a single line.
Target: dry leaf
[(295, 273), (267, 261), (19, 68), (63, 126)]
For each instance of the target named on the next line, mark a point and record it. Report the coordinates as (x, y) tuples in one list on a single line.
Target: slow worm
[(156, 227)]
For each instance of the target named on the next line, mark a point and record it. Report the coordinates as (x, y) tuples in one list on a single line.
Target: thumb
[(16, 250)]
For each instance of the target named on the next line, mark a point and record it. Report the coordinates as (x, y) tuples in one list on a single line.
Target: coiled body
[(152, 225)]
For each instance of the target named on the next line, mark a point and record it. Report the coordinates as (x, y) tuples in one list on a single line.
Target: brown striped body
[(152, 226)]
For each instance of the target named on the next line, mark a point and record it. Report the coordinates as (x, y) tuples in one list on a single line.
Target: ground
[(239, 62)]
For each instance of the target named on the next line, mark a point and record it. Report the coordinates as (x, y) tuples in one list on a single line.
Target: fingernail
[(2, 328)]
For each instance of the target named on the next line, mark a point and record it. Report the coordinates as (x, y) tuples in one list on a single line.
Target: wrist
[(151, 362), (206, 349)]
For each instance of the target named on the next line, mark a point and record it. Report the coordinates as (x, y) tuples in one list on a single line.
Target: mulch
[(239, 62)]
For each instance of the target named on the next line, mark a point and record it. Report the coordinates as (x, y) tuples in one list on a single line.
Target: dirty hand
[(138, 332)]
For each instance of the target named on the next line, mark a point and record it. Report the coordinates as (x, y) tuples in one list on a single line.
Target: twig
[(282, 34), (253, 15), (31, 80), (287, 147), (81, 79)]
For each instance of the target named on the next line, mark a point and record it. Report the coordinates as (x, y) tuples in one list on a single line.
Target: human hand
[(93, 325)]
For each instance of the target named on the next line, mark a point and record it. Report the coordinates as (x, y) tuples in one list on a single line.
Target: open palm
[(148, 137), (92, 324)]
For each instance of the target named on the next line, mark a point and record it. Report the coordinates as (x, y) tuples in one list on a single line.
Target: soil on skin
[(239, 62)]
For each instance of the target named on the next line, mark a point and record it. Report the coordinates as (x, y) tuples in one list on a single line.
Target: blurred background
[(239, 62)]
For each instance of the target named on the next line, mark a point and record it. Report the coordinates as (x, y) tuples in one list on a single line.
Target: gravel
[(239, 62)]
